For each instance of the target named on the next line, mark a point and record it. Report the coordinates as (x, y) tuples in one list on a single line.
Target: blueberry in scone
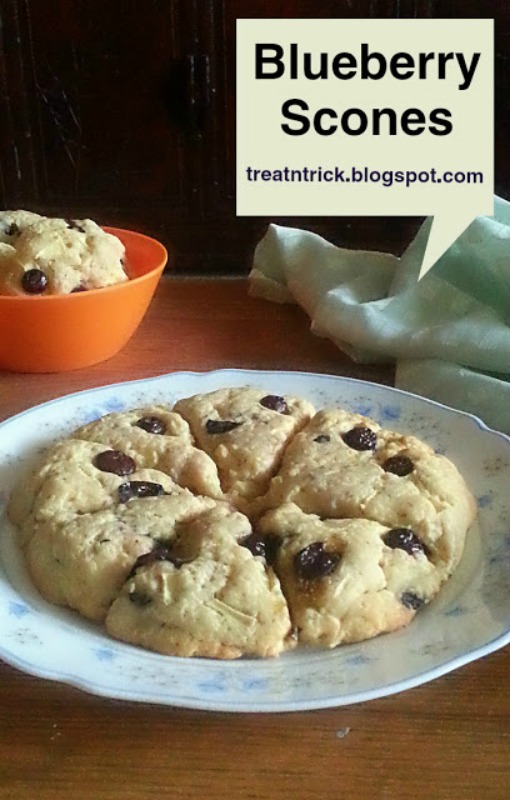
[(157, 438), (351, 579), (204, 595)]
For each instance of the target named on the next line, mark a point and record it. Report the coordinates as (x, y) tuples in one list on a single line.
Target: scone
[(76, 477), (44, 255), (157, 438), (245, 431), (12, 223), (204, 595), (84, 562), (345, 465), (351, 579), (241, 523)]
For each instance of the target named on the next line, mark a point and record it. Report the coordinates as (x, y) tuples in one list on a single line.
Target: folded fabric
[(449, 332)]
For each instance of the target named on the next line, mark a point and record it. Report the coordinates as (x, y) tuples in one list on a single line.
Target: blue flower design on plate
[(104, 654), (362, 407), (254, 684), (502, 553), (111, 405), (456, 611), (114, 404), (90, 415), (211, 686), (18, 609), (484, 500), (389, 413), (357, 660)]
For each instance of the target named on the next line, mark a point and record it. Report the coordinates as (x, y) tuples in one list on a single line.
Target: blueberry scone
[(343, 465), (45, 255), (241, 523), (84, 562), (245, 431), (204, 594), (157, 438), (77, 477), (347, 580), (12, 223)]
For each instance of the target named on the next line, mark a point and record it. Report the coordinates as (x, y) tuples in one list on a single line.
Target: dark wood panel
[(102, 128), (125, 111), (16, 144)]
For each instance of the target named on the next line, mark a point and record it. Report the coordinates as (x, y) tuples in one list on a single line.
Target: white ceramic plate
[(469, 619)]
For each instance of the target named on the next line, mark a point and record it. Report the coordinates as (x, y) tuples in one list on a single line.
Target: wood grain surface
[(446, 740)]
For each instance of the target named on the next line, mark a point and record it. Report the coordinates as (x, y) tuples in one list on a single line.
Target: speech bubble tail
[(444, 231)]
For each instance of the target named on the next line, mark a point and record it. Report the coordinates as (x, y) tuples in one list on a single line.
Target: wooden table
[(446, 740)]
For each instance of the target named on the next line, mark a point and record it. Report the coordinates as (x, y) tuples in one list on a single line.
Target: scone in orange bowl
[(56, 333)]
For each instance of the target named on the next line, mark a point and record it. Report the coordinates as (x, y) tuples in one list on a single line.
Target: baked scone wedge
[(206, 595), (74, 477), (245, 431), (345, 465), (351, 579), (83, 563), (157, 438)]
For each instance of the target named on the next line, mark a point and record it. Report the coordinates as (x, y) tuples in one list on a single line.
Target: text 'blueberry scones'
[(241, 523)]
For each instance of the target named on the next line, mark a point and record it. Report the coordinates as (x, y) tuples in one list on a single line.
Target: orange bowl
[(55, 333)]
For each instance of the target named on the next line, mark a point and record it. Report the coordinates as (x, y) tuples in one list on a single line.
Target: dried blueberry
[(151, 425), (160, 552), (265, 546), (404, 539), (221, 425), (275, 403), (13, 230), (322, 437), (79, 288), (139, 489), (412, 601), (140, 599), (314, 562), (398, 465), (114, 461), (177, 561), (71, 223), (34, 281), (360, 438)]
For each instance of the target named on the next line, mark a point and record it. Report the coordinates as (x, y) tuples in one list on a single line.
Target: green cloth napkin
[(449, 333)]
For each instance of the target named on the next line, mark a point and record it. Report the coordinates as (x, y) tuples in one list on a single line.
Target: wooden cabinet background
[(124, 110)]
